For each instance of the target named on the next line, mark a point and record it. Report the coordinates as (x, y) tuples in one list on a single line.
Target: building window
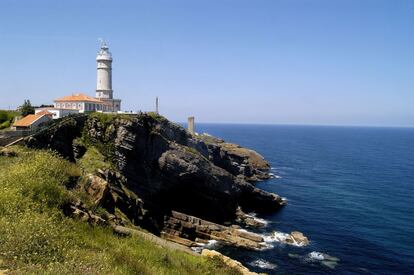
[(58, 105)]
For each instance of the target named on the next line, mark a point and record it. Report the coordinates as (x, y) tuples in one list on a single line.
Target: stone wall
[(7, 137)]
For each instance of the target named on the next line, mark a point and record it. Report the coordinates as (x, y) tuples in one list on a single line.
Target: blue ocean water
[(350, 190)]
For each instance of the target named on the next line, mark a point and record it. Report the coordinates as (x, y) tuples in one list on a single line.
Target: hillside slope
[(36, 238)]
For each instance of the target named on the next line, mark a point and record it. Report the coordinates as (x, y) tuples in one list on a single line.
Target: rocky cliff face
[(160, 169)]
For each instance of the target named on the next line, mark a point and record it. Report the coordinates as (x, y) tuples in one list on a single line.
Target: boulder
[(228, 261), (248, 220), (97, 188), (6, 152), (79, 211), (299, 238)]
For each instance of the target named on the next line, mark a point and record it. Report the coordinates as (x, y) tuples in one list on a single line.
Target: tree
[(26, 108)]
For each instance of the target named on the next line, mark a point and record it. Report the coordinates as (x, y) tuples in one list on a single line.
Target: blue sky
[(347, 62)]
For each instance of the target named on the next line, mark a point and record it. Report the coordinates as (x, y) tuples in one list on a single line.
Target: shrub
[(6, 118), (5, 124), (3, 116)]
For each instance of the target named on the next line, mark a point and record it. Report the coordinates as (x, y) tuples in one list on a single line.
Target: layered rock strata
[(159, 172), (189, 230)]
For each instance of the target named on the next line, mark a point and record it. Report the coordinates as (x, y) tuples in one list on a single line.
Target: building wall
[(63, 113), (70, 105), (104, 79), (55, 112), (41, 120), (81, 106), (111, 105), (93, 107)]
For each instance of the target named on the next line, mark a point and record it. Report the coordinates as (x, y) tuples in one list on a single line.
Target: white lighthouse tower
[(104, 90)]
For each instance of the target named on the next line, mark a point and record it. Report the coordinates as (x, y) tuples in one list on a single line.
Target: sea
[(350, 190)]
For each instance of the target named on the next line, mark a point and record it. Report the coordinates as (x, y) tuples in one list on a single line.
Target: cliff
[(35, 238), (146, 171)]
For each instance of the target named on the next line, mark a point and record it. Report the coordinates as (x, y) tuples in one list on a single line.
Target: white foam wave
[(314, 255), (281, 237), (274, 176), (259, 220), (324, 259), (276, 237), (211, 244), (263, 264), (197, 249), (319, 256)]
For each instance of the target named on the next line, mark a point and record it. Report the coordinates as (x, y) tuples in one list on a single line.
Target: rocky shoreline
[(189, 189)]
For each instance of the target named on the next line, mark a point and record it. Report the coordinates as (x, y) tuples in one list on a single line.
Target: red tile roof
[(44, 112), (78, 97), (28, 120)]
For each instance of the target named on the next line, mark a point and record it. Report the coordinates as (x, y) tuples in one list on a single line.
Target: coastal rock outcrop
[(59, 136), (159, 172), (239, 161), (179, 226)]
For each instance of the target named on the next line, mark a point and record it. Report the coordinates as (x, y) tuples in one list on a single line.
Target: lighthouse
[(104, 90)]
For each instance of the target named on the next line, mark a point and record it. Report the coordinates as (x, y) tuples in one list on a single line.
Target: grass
[(156, 116), (93, 160), (36, 238), (106, 118)]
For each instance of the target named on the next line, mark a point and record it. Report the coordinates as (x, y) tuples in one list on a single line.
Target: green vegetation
[(26, 108), (209, 139), (106, 118), (6, 118), (93, 160), (161, 119), (156, 116), (36, 238)]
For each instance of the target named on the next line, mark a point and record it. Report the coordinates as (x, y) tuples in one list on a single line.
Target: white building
[(80, 103), (57, 113), (33, 121), (104, 90)]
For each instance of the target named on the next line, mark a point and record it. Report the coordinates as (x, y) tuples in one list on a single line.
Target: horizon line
[(300, 124)]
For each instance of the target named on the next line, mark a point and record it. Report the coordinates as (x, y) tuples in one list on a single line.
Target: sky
[(324, 62)]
